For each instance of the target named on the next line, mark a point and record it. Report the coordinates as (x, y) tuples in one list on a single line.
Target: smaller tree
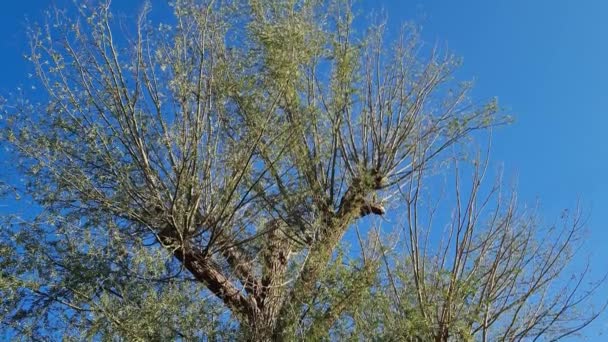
[(494, 273)]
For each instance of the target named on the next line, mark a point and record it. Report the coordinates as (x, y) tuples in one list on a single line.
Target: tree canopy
[(196, 179)]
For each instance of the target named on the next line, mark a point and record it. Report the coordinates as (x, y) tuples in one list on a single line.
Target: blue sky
[(545, 60)]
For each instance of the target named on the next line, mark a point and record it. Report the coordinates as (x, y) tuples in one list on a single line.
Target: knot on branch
[(371, 208), (361, 194)]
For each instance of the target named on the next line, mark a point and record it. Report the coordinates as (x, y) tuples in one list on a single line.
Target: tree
[(196, 179), (494, 273)]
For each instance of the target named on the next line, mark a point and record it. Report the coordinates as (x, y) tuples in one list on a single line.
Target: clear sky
[(545, 60)]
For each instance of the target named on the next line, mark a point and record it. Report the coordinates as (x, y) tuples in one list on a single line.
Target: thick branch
[(352, 207), (205, 271), (241, 268)]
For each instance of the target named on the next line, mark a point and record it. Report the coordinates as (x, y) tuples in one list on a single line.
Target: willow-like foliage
[(194, 179)]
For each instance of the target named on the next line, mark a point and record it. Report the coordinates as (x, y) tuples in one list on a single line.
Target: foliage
[(195, 179)]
